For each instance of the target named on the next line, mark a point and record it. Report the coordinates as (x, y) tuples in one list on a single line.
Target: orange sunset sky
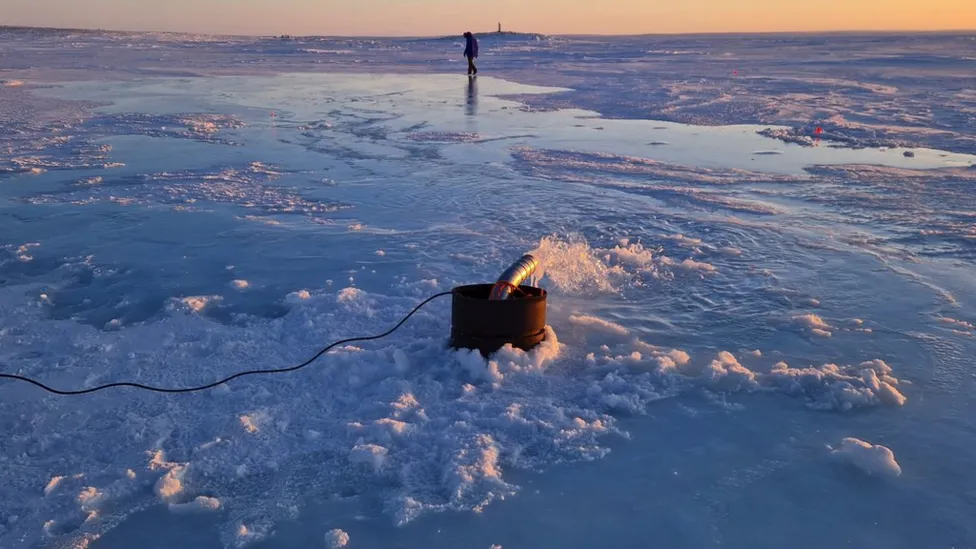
[(434, 17)]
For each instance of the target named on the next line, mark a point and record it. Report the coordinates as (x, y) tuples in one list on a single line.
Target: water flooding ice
[(718, 293), (437, 106)]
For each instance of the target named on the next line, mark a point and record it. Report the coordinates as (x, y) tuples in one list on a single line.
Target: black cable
[(230, 378)]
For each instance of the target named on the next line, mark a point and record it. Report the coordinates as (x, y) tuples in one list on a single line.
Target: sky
[(440, 17)]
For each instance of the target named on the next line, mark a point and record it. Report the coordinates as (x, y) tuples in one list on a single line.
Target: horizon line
[(567, 35)]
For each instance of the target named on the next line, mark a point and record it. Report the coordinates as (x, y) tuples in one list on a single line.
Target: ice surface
[(174, 209)]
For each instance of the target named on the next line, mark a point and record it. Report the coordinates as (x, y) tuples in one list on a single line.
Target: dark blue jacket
[(471, 47)]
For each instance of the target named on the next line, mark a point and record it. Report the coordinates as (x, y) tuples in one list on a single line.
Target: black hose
[(229, 378)]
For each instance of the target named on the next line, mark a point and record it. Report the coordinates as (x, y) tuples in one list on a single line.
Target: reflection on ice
[(386, 106)]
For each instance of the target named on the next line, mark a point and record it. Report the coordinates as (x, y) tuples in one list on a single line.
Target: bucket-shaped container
[(478, 322)]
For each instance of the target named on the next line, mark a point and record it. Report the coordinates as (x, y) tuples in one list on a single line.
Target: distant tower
[(499, 28)]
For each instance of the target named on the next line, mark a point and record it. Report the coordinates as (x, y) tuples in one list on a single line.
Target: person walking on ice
[(471, 52)]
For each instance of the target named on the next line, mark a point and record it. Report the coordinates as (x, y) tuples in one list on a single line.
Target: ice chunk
[(336, 539), (401, 360), (370, 454), (891, 396), (200, 505), (689, 265), (838, 387), (683, 240), (245, 536), (680, 357), (52, 485), (170, 485), (199, 302), (665, 363), (811, 321), (255, 421), (90, 498), (813, 324), (872, 459), (725, 373), (297, 297), (882, 386), (349, 295)]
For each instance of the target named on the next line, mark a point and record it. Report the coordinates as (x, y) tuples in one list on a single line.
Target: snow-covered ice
[(730, 291)]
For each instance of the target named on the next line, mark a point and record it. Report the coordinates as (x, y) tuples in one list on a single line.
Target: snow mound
[(872, 459)]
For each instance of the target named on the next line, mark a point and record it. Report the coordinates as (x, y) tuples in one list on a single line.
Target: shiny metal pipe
[(514, 276)]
